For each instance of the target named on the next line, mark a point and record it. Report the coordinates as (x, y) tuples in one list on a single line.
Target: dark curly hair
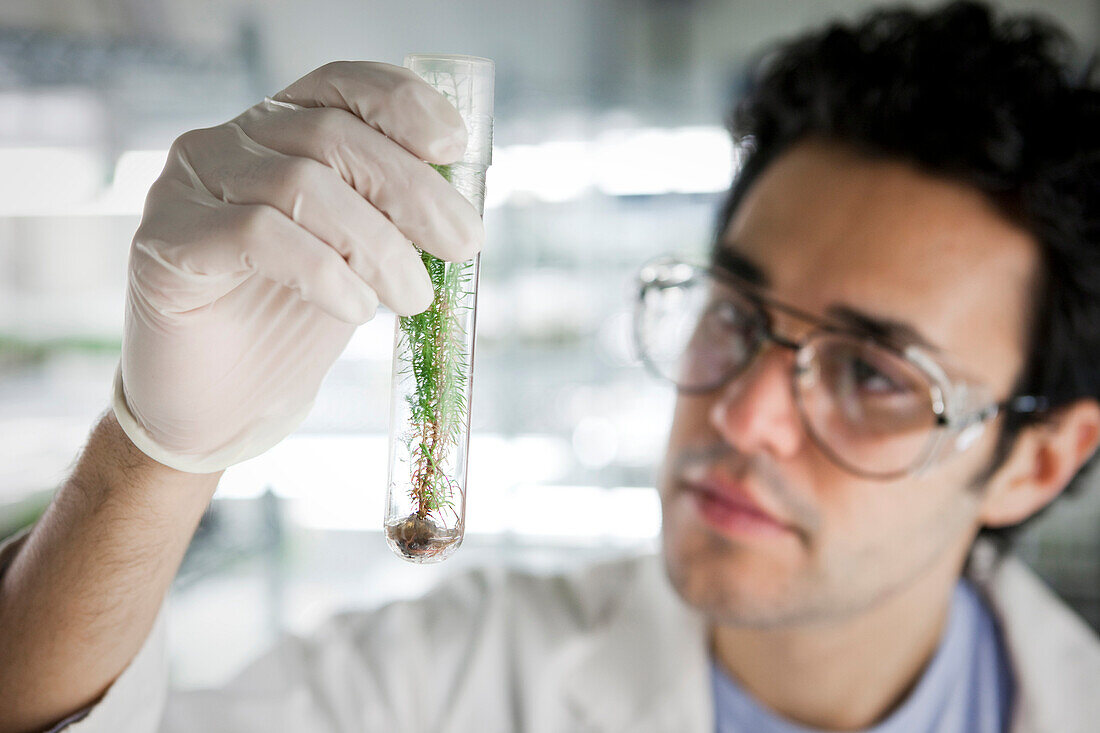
[(991, 102)]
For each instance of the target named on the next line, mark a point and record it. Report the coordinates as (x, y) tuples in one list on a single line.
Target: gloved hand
[(266, 241)]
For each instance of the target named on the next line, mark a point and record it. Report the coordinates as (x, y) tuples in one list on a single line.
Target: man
[(894, 348)]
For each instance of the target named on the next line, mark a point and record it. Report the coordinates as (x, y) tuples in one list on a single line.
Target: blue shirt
[(966, 688)]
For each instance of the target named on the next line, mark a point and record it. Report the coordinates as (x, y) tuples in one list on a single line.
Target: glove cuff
[(263, 435), (145, 443)]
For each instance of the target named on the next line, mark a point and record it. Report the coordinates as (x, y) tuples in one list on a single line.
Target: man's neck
[(848, 674)]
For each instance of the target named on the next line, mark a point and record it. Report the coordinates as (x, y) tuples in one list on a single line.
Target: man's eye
[(730, 317), (869, 379), (727, 313)]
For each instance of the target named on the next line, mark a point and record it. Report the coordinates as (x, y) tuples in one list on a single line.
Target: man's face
[(828, 227)]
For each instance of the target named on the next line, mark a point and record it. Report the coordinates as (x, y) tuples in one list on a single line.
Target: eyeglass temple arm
[(1021, 404), (1025, 404)]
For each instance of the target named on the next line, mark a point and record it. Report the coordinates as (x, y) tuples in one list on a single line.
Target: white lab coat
[(609, 648)]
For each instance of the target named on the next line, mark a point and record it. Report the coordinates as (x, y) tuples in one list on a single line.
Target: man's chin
[(728, 583)]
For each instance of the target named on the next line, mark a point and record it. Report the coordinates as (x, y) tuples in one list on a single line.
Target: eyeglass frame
[(947, 383)]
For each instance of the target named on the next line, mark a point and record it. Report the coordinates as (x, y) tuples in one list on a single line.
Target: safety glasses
[(877, 410)]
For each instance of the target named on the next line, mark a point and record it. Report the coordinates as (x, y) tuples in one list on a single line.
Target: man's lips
[(732, 506)]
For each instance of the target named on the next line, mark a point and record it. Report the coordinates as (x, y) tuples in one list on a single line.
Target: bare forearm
[(81, 595)]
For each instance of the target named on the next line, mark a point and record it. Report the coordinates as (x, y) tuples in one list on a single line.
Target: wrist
[(111, 464)]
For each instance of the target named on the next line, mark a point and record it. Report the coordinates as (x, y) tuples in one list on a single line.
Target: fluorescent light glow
[(655, 161), (71, 182), (586, 513), (631, 162), (623, 162), (135, 172), (551, 171), (338, 482), (47, 179), (595, 442)]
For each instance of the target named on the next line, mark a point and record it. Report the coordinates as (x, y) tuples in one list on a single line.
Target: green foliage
[(433, 345)]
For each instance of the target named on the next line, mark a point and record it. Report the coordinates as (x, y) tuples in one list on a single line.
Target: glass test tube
[(434, 350)]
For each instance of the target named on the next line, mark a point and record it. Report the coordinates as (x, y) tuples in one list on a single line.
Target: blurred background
[(609, 149)]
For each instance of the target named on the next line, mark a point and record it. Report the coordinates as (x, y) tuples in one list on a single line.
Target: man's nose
[(756, 411)]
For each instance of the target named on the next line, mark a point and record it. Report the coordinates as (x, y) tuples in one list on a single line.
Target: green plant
[(433, 345)]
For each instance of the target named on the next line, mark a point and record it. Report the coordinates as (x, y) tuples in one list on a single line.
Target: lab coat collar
[(645, 668), (1055, 656)]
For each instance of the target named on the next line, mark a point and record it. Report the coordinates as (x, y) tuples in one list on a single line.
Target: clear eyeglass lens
[(865, 404), (700, 333)]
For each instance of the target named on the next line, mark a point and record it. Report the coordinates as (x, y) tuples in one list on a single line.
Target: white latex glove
[(266, 241)]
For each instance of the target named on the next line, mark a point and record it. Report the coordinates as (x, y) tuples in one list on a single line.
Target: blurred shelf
[(35, 57)]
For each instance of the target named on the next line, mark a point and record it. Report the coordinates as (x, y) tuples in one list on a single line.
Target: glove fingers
[(392, 100), (421, 204), (199, 249), (261, 238), (315, 197)]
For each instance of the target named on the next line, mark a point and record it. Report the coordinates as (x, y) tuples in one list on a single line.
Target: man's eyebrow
[(888, 330), (728, 260)]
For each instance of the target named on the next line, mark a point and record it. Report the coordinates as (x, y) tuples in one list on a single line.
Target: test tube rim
[(451, 57)]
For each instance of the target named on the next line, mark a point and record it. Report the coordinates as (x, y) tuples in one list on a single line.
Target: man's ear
[(1042, 462)]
